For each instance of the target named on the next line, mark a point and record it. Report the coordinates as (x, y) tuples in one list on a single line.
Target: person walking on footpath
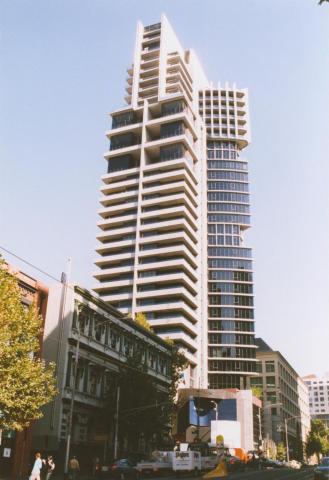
[(74, 468), (50, 467), (35, 474)]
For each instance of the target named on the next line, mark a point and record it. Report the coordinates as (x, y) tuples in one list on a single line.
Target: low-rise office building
[(91, 343), (305, 415), (284, 399), (318, 388)]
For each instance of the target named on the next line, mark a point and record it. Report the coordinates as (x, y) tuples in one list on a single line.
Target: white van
[(188, 461)]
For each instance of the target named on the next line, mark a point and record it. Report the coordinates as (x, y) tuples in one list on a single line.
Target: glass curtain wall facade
[(231, 349)]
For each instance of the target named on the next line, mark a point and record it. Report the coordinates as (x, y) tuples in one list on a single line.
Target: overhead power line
[(30, 264)]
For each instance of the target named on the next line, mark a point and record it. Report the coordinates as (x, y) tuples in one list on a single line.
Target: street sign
[(6, 452)]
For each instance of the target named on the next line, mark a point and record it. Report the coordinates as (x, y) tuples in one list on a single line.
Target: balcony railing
[(124, 141), (117, 146), (155, 26), (173, 133), (172, 109)]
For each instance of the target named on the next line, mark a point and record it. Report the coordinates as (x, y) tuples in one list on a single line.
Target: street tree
[(178, 364), (281, 451), (26, 383), (144, 411), (317, 441), (142, 405), (141, 319), (257, 392), (322, 1)]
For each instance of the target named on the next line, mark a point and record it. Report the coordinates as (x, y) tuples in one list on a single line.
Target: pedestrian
[(177, 447), (96, 466), (50, 467), (74, 468), (35, 474)]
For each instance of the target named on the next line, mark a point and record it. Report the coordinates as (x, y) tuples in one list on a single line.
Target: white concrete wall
[(245, 417)]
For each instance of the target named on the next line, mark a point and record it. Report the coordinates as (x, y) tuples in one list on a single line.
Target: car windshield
[(325, 462)]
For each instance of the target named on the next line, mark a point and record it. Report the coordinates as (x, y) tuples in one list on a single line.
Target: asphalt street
[(275, 474)]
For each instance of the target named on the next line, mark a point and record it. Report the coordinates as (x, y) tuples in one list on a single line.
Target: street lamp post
[(287, 441), (215, 405), (69, 430), (260, 438), (116, 436), (260, 419), (286, 420)]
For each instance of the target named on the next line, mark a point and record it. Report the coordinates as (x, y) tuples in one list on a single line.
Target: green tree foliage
[(144, 409), (298, 446), (257, 392), (317, 441), (178, 364), (26, 383), (281, 451), (140, 318), (322, 1)]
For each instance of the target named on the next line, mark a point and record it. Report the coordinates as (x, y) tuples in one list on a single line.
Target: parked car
[(268, 463), (124, 469), (159, 463), (235, 464), (295, 464), (321, 472)]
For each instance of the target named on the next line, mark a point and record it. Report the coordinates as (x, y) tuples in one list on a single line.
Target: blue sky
[(63, 69)]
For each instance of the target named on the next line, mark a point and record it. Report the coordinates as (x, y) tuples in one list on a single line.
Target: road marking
[(273, 474), (298, 474)]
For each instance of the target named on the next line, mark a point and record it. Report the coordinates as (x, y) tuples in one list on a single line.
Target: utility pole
[(260, 427), (286, 430), (198, 413), (116, 425), (198, 424), (69, 431), (287, 441)]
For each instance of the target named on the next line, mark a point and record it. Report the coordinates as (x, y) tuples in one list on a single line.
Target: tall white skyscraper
[(175, 206)]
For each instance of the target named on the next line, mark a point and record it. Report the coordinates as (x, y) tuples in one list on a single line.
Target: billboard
[(230, 430), (202, 411)]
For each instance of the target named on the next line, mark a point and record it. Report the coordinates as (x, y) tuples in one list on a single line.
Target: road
[(275, 474)]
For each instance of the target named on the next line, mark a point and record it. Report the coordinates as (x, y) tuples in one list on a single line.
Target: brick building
[(20, 443)]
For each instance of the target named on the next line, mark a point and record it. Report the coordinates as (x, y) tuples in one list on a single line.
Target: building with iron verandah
[(107, 339), (18, 462)]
